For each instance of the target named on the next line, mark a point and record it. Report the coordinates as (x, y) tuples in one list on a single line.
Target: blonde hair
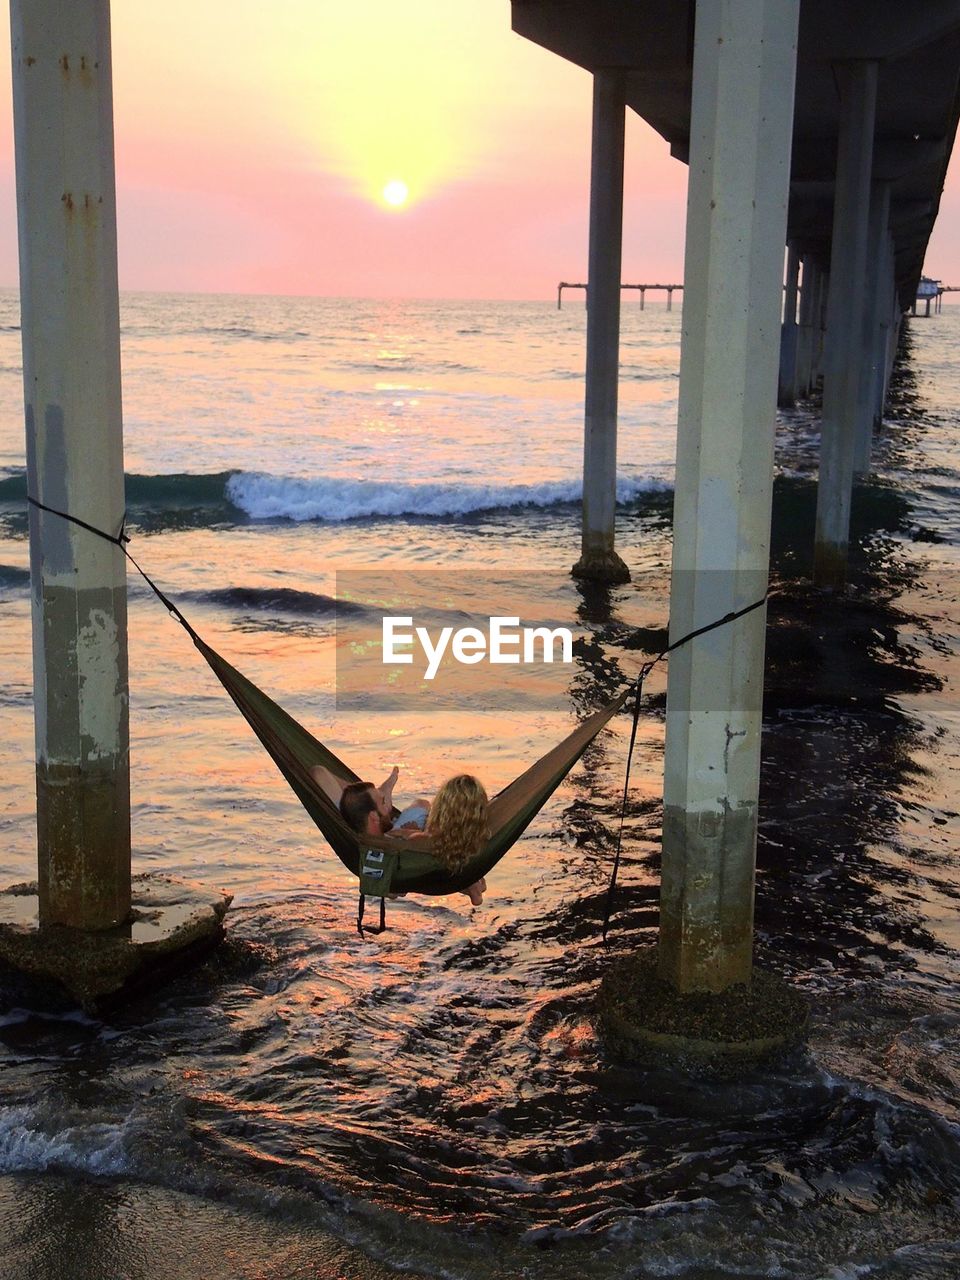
[(459, 820)]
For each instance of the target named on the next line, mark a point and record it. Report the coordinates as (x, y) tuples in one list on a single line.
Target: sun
[(395, 193)]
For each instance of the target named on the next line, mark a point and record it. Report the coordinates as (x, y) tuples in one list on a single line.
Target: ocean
[(435, 1100)]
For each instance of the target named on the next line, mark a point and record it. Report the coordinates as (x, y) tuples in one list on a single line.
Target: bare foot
[(388, 785), (475, 892)]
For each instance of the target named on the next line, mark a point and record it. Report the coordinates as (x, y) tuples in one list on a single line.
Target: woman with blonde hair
[(458, 823)]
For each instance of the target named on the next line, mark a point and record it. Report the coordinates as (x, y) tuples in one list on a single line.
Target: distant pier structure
[(817, 135), (668, 289), (931, 292)]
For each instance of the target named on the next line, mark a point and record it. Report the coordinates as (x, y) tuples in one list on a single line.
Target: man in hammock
[(458, 817), (366, 807)]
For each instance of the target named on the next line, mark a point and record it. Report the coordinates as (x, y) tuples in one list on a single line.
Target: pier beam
[(740, 142), (848, 260), (63, 114), (599, 560), (787, 388)]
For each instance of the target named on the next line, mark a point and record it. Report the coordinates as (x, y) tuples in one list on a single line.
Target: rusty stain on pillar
[(63, 115)]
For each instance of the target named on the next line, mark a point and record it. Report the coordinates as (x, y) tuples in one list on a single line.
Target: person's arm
[(328, 782)]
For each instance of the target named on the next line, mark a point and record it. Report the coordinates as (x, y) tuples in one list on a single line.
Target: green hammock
[(393, 864)]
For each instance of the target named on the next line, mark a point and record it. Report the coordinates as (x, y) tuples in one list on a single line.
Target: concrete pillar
[(871, 354), (873, 339), (741, 127), (63, 116), (820, 323), (895, 317), (848, 261), (805, 330), (598, 559), (787, 389), (893, 343), (886, 302)]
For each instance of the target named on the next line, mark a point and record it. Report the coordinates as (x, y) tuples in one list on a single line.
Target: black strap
[(712, 626), (370, 928), (120, 541), (638, 694), (644, 672)]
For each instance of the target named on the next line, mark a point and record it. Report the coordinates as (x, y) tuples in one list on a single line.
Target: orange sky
[(254, 140)]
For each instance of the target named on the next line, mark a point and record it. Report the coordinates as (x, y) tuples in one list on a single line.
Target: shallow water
[(437, 1096)]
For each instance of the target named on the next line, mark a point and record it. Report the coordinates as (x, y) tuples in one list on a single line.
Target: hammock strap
[(644, 672), (120, 541), (611, 888), (361, 907)]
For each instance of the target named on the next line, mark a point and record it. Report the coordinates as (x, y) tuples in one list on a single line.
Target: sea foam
[(31, 1141), (269, 497)]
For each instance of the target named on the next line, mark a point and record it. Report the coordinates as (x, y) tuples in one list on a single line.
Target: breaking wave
[(269, 497)]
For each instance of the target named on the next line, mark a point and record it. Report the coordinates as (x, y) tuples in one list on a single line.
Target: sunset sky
[(255, 141)]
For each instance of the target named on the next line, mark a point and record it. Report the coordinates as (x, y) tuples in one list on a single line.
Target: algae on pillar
[(599, 559), (740, 141), (63, 114)]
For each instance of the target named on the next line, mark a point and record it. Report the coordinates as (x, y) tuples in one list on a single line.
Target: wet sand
[(61, 1228)]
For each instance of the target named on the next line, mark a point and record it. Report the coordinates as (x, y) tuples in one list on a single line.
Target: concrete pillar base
[(172, 923), (830, 565), (601, 566), (644, 1019)]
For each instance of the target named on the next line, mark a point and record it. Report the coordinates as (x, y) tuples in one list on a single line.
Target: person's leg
[(387, 786)]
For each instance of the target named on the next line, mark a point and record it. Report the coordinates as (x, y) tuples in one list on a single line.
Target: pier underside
[(840, 174), (918, 51)]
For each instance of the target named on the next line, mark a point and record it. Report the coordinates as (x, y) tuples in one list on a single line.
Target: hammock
[(394, 864), (386, 864)]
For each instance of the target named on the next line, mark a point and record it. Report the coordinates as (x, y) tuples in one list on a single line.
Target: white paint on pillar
[(63, 112), (598, 558), (740, 143), (848, 260)]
